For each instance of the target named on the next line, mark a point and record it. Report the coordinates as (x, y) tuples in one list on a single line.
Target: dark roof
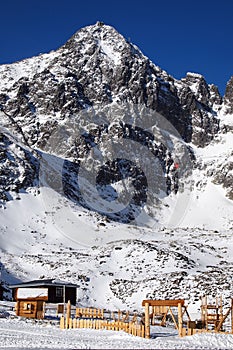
[(44, 283)]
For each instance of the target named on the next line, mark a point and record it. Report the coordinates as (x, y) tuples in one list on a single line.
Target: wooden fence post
[(147, 320), (68, 314), (180, 319), (62, 322)]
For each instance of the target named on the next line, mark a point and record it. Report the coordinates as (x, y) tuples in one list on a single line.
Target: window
[(27, 308), (59, 291)]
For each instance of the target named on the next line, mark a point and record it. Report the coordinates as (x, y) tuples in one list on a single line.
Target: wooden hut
[(31, 296)]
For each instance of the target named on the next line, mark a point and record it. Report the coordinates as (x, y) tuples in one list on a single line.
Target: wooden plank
[(163, 321), (180, 319), (74, 323), (184, 332), (186, 311), (147, 320), (172, 302), (130, 328), (143, 331), (78, 312), (70, 323), (126, 317), (119, 315), (62, 322), (173, 317), (223, 319)]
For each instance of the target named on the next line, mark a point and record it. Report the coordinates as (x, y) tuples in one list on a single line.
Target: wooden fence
[(89, 313), (128, 327)]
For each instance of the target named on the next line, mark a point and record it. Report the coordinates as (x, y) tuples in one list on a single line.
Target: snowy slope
[(17, 334)]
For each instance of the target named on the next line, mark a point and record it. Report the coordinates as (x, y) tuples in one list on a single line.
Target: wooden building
[(31, 296)]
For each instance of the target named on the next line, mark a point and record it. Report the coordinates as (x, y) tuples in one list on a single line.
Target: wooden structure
[(89, 313), (212, 316), (57, 291), (211, 313), (94, 319), (30, 308), (161, 308), (128, 327)]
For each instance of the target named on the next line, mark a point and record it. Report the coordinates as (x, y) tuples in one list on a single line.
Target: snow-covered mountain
[(114, 174)]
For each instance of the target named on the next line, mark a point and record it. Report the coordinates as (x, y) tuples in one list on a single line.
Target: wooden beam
[(186, 311), (223, 319), (163, 322), (147, 320), (180, 319), (173, 317), (172, 302)]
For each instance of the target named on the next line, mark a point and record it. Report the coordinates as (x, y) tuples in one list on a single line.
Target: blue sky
[(179, 36)]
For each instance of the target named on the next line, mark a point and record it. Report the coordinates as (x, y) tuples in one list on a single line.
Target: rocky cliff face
[(18, 169), (98, 67), (228, 97)]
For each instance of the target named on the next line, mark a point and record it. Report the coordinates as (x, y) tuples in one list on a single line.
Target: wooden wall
[(30, 308)]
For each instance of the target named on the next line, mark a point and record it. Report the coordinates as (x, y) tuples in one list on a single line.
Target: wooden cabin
[(31, 296)]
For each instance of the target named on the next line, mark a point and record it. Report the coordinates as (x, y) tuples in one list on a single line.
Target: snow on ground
[(21, 334)]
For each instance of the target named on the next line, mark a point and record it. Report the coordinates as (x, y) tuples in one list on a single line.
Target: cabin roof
[(44, 283)]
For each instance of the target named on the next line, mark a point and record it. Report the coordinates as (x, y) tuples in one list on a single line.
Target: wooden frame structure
[(94, 319), (212, 316), (162, 308)]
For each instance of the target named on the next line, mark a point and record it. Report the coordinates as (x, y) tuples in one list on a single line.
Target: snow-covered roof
[(40, 283)]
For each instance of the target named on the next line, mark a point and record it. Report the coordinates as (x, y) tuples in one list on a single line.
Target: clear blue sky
[(177, 35)]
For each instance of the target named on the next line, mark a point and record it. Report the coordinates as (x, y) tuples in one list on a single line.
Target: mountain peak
[(100, 40)]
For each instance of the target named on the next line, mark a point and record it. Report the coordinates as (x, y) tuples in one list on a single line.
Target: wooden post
[(180, 320), (17, 308), (70, 323), (62, 322), (147, 320), (231, 315), (143, 331), (44, 304), (68, 314), (74, 323), (119, 315)]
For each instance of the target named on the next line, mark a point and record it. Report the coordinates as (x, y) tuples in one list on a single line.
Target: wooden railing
[(128, 327), (89, 313)]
